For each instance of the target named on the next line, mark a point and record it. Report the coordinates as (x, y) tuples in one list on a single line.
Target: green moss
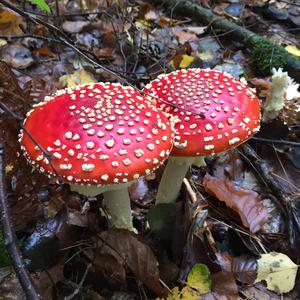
[(4, 259), (267, 55)]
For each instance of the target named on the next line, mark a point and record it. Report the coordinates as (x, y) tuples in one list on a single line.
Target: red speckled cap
[(216, 111), (98, 134)]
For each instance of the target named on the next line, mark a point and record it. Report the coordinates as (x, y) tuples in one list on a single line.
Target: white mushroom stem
[(117, 204), (173, 176), (116, 200)]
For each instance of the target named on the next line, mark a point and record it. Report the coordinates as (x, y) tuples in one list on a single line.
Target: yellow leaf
[(205, 56), (278, 270), (186, 61), (2, 42), (293, 50), (142, 23), (8, 168), (190, 294), (199, 278), (80, 76), (185, 294)]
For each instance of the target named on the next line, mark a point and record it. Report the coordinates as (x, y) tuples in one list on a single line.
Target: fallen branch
[(10, 240), (236, 32)]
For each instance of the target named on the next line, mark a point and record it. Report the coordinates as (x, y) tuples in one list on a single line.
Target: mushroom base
[(174, 173), (117, 204), (116, 200)]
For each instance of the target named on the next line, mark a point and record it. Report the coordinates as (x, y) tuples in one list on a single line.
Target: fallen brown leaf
[(245, 202), (135, 255), (183, 35), (223, 287), (10, 23)]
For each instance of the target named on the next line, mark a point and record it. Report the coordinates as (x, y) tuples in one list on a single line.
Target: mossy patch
[(267, 55)]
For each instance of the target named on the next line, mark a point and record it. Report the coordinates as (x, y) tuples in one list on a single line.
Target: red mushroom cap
[(216, 111), (100, 133)]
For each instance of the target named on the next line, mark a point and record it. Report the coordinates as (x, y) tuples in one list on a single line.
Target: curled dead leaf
[(245, 202)]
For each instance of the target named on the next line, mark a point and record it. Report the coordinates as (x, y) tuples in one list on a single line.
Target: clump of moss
[(267, 55), (4, 259)]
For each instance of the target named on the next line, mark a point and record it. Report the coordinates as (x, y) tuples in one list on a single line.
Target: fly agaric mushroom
[(216, 112), (102, 137)]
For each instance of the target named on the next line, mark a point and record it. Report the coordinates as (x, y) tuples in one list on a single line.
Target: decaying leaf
[(245, 202), (134, 254), (2, 42), (80, 76), (181, 61), (185, 35), (17, 56), (278, 270), (10, 23)]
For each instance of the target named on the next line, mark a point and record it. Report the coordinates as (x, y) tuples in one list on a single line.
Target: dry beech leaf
[(10, 23), (133, 253), (244, 268), (183, 35), (223, 287), (245, 202)]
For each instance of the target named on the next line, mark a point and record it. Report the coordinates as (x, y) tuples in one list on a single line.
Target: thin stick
[(272, 141), (10, 240)]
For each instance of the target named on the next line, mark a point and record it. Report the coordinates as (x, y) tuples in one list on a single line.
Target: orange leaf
[(10, 23)]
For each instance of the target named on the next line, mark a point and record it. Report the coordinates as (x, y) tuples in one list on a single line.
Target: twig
[(10, 240), (79, 286), (47, 155), (34, 36), (272, 141), (190, 191)]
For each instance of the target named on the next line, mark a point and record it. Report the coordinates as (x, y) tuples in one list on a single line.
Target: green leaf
[(278, 270), (199, 278), (41, 4)]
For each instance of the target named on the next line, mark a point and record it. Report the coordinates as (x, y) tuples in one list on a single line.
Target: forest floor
[(234, 232)]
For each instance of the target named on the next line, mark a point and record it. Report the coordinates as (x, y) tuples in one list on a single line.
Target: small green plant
[(42, 4), (267, 55), (198, 283)]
